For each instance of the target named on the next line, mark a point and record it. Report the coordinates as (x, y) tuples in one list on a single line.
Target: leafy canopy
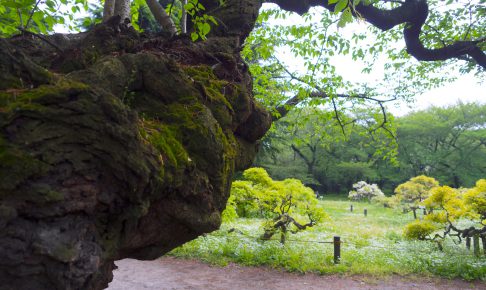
[(416, 189)]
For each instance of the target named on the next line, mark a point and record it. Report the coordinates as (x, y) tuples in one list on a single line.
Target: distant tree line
[(448, 144)]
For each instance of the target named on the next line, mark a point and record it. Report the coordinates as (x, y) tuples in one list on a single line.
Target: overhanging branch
[(284, 109), (412, 13)]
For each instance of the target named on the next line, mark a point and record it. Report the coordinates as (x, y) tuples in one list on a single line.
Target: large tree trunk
[(118, 147)]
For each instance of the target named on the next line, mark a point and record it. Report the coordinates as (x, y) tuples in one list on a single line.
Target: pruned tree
[(413, 192), (288, 206), (460, 214)]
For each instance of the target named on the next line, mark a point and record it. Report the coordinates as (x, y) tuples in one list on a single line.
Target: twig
[(337, 116), (171, 5), (20, 18), (43, 39), (31, 14)]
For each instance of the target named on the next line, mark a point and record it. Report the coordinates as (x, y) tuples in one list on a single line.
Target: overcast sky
[(466, 89)]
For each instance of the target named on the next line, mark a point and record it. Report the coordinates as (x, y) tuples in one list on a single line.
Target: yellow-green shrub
[(420, 230), (388, 201), (475, 201)]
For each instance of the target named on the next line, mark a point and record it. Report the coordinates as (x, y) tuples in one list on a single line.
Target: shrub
[(363, 190), (420, 230), (229, 213), (475, 200), (390, 202)]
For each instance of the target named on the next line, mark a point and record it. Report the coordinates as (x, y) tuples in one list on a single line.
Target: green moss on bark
[(42, 95), (16, 167), (164, 138), (214, 91)]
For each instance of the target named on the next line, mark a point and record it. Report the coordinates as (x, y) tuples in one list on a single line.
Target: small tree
[(287, 206), (414, 191), (363, 190), (459, 213)]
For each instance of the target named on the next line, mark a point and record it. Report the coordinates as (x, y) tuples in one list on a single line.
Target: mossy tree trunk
[(120, 146)]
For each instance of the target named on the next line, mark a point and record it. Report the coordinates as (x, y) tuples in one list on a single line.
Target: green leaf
[(211, 18), (340, 5), (346, 17), (40, 24), (205, 28), (189, 6), (50, 21)]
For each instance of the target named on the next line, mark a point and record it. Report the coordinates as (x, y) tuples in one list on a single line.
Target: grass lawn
[(372, 245)]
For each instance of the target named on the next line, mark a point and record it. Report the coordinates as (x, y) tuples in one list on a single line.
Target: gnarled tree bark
[(118, 146)]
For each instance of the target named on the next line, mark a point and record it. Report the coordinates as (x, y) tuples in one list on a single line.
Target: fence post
[(351, 208), (365, 212), (468, 243), (337, 249), (483, 239), (476, 245)]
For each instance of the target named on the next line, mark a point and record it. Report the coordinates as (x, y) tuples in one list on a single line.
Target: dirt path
[(176, 274)]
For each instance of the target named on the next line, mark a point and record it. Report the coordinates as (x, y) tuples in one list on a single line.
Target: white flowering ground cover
[(372, 245)]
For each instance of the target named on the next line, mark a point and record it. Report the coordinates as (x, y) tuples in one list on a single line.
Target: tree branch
[(108, 9), (161, 16), (43, 38), (296, 150), (284, 109), (31, 14), (412, 13)]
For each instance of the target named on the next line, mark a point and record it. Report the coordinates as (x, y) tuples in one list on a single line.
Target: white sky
[(466, 89)]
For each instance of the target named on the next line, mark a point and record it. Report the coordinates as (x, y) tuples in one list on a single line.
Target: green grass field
[(372, 245)]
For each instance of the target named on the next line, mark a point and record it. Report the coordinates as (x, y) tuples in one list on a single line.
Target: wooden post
[(365, 212), (468, 243), (476, 245), (337, 249), (483, 239), (351, 208)]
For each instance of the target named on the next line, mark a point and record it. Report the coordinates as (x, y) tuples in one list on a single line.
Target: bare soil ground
[(177, 274)]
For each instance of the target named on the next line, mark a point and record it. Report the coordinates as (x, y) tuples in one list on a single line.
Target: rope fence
[(337, 242)]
